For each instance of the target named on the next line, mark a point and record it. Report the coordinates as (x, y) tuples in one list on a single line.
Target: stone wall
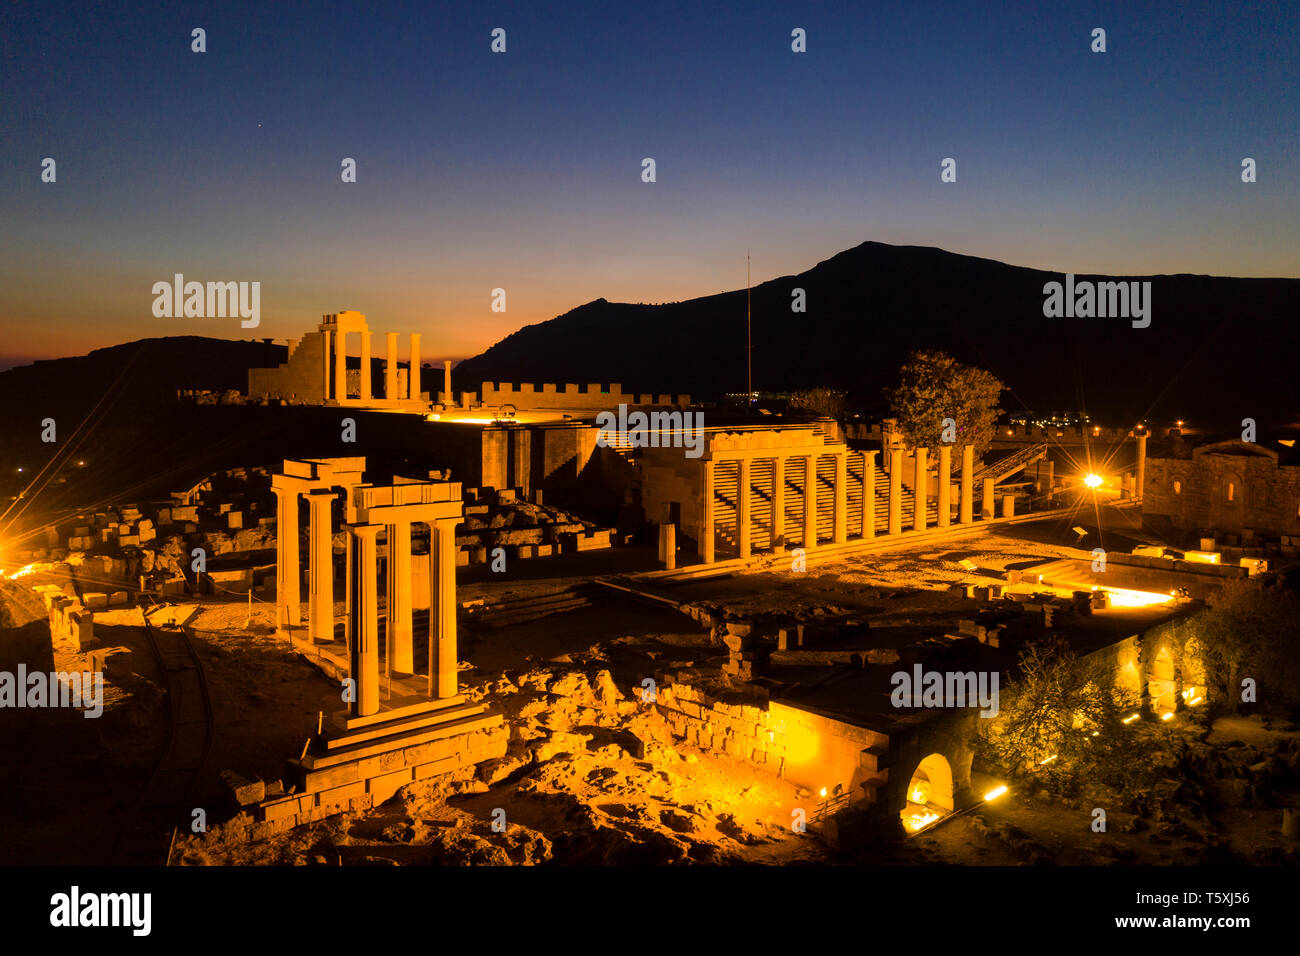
[(1194, 494), (300, 379)]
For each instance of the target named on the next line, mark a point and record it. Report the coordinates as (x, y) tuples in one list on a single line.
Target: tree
[(819, 401), (1249, 630), (1049, 713), (933, 386)]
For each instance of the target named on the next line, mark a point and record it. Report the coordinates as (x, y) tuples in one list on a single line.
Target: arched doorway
[(1160, 682), (929, 795)]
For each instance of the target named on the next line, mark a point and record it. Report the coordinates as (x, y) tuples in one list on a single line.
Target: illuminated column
[(868, 495), (987, 510), (810, 502), (919, 489), (706, 516), (841, 498), (967, 483), (1141, 463), (945, 485), (340, 365), (287, 612), (327, 339), (896, 491), (401, 653), (365, 367), (1051, 477), (443, 680), (390, 369), (320, 567), (364, 654), (778, 503), (446, 380), (413, 379), (743, 481)]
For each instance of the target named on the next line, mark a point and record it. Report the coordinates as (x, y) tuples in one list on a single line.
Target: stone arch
[(929, 795)]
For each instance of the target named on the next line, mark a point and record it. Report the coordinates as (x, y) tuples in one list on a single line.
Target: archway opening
[(929, 796)]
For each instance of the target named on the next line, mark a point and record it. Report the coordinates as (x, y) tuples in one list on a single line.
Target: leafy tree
[(1249, 630), (819, 401), (1051, 710), (933, 386)]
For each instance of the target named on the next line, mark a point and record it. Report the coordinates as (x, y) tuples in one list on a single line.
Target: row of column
[(336, 382), (918, 518), (362, 630), (363, 609)]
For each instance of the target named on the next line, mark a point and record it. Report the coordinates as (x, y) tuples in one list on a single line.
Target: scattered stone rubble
[(590, 775)]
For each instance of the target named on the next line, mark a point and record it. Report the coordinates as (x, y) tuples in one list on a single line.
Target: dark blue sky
[(522, 170)]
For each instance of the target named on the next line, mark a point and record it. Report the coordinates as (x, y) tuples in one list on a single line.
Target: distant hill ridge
[(1217, 349)]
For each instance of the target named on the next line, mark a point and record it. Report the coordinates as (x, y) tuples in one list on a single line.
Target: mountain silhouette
[(1217, 349)]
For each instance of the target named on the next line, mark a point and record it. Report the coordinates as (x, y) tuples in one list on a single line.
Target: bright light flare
[(1130, 718), (995, 793), (1167, 716), (1125, 597), (1092, 480)]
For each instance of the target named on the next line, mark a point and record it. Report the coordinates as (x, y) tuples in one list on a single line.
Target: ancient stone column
[(348, 561), (868, 495), (967, 484), (778, 503), (809, 502), (413, 379), (744, 478), (363, 541), (287, 612), (921, 459), (366, 393), (1008, 506), (340, 366), (841, 498), (1141, 465), (945, 485), (390, 369), (1051, 477), (987, 510), (443, 681), (326, 340), (896, 491), (320, 566), (401, 653), (706, 515), (446, 380), (668, 545)]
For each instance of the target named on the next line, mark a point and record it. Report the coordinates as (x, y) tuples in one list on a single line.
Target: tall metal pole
[(749, 342)]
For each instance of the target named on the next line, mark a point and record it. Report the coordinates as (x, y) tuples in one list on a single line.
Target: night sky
[(523, 170)]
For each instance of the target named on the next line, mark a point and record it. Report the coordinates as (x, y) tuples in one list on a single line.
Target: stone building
[(1229, 487)]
